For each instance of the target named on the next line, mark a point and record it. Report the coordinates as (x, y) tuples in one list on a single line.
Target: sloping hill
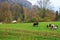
[(25, 3)]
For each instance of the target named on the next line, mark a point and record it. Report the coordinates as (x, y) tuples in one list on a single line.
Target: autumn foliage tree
[(5, 12), (10, 12)]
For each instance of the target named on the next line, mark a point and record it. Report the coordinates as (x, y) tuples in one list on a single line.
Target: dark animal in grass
[(49, 25), (35, 24), (52, 26)]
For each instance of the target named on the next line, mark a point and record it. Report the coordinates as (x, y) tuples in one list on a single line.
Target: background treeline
[(10, 12)]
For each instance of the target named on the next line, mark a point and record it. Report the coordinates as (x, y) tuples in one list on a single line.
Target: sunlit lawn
[(26, 31)]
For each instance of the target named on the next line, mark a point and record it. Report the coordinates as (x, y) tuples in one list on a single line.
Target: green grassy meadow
[(26, 31)]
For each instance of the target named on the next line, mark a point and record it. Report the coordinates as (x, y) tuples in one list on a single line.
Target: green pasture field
[(26, 31)]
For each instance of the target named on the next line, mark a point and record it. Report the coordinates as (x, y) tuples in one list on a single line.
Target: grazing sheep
[(35, 24), (14, 21), (52, 26), (49, 25), (1, 23)]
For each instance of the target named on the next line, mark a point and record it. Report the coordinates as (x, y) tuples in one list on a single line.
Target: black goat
[(49, 25), (35, 24)]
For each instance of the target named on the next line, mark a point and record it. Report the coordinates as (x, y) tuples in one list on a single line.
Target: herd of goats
[(51, 26), (35, 24)]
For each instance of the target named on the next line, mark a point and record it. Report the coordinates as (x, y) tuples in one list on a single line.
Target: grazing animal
[(52, 26), (49, 25), (35, 24), (14, 21), (1, 23)]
